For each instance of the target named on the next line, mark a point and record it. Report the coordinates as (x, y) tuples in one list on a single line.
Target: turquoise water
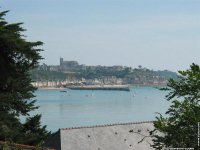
[(80, 108)]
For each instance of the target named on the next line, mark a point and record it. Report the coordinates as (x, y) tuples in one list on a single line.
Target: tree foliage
[(180, 127), (46, 75), (17, 58)]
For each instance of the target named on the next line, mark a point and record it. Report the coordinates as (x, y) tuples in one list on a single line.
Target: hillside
[(102, 74)]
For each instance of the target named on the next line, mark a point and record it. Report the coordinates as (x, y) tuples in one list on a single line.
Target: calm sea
[(76, 108)]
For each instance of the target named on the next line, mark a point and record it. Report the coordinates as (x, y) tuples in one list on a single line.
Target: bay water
[(75, 108)]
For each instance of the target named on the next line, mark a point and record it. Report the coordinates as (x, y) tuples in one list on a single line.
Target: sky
[(157, 34)]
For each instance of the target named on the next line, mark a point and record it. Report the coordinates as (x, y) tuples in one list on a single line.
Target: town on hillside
[(71, 73)]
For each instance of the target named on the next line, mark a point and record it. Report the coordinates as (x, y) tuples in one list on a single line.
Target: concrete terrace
[(127, 136)]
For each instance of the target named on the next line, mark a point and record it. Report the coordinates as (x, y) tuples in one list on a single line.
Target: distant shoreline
[(89, 87), (99, 87)]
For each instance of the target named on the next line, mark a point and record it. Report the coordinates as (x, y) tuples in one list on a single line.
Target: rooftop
[(124, 136)]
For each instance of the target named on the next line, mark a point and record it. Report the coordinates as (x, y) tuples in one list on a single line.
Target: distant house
[(126, 136)]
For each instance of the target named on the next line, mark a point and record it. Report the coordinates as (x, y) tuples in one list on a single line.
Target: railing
[(107, 125)]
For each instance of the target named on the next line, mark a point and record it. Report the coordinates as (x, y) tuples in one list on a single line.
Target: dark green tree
[(17, 58), (180, 127)]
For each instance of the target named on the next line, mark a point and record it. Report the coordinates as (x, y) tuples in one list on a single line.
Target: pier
[(112, 88)]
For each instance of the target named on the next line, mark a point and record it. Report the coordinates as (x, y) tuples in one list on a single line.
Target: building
[(125, 136), (68, 65), (5, 145)]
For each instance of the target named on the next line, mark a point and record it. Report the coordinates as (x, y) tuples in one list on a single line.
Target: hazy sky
[(157, 34)]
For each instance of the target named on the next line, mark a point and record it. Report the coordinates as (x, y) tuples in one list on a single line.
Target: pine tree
[(17, 57), (180, 127)]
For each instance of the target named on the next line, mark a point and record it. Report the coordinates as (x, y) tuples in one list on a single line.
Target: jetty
[(113, 88)]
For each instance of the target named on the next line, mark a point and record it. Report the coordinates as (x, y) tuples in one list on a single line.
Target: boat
[(63, 91)]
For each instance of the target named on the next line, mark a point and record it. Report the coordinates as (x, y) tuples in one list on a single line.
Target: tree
[(180, 127), (17, 58)]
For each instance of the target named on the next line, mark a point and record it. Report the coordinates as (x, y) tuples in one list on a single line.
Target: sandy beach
[(51, 88)]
